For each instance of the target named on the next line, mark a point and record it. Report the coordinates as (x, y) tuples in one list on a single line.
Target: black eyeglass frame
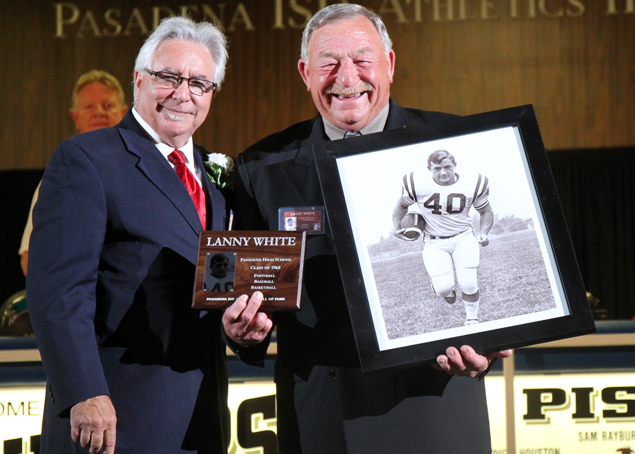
[(157, 74)]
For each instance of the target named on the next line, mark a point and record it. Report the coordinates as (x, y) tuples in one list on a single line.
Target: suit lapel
[(300, 173), (157, 169), (214, 199), (397, 117)]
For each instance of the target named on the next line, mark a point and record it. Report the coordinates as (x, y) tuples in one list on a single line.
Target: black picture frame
[(530, 291)]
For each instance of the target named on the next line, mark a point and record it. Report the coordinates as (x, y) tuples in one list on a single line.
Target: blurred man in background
[(98, 101)]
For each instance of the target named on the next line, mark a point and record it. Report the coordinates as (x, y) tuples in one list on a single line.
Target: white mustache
[(337, 90)]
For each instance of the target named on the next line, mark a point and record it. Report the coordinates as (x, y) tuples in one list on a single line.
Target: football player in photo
[(221, 273), (444, 197)]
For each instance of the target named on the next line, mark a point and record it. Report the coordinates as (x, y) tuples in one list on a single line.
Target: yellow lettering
[(542, 7), (487, 7), (16, 411), (136, 21), (629, 7), (60, 20), (575, 4), (305, 12), (210, 15), (112, 18), (531, 8), (88, 23), (33, 408), (394, 8), (241, 16), (185, 10), (463, 15), (156, 14), (417, 9), (277, 15), (436, 9), (611, 7)]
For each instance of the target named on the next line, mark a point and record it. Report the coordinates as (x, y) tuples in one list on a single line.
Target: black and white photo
[(220, 272), (452, 233)]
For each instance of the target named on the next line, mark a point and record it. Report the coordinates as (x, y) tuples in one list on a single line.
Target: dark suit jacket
[(110, 280), (325, 404)]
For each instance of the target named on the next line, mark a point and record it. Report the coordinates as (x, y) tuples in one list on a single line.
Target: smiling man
[(348, 70), (324, 402), (113, 252)]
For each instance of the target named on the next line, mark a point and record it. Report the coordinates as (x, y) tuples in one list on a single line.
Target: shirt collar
[(164, 148), (376, 125)]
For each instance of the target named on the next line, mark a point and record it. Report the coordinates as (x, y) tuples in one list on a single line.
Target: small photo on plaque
[(235, 263), (221, 269)]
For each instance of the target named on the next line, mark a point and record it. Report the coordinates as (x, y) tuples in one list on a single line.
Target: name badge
[(302, 219)]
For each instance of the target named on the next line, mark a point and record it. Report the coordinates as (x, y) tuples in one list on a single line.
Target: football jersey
[(215, 284), (446, 209)]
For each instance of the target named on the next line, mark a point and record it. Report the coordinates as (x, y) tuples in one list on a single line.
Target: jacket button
[(333, 374)]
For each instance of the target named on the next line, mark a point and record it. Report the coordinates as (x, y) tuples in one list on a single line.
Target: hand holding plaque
[(244, 323), (234, 263)]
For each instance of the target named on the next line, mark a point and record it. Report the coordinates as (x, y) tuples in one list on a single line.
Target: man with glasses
[(113, 256)]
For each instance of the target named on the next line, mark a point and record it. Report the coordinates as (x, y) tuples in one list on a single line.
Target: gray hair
[(206, 34), (338, 12), (102, 77)]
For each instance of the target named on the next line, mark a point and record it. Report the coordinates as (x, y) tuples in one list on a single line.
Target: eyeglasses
[(197, 86)]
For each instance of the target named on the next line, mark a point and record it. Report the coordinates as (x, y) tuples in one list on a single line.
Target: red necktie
[(192, 186)]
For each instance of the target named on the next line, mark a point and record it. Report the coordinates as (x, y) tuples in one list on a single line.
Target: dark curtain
[(16, 191), (596, 189), (597, 192)]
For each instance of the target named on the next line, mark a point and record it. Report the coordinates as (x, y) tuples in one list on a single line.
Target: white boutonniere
[(220, 169)]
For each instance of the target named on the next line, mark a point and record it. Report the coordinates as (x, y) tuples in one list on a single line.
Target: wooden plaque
[(234, 263)]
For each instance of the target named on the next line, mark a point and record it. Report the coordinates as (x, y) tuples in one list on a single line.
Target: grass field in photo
[(512, 281)]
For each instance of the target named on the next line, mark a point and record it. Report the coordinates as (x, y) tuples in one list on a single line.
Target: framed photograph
[(451, 234)]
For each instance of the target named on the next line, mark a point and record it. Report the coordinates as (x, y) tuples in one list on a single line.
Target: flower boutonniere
[(220, 169)]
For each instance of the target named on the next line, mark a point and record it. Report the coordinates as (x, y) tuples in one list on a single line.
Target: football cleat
[(450, 299), (470, 321)]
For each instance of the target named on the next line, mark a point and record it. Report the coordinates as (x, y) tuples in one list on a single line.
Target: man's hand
[(244, 324), (482, 240), (93, 424), (399, 234), (467, 362)]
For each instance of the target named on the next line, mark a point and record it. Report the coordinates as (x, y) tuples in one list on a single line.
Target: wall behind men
[(574, 60)]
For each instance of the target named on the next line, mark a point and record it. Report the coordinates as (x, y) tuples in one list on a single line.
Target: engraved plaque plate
[(233, 263)]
